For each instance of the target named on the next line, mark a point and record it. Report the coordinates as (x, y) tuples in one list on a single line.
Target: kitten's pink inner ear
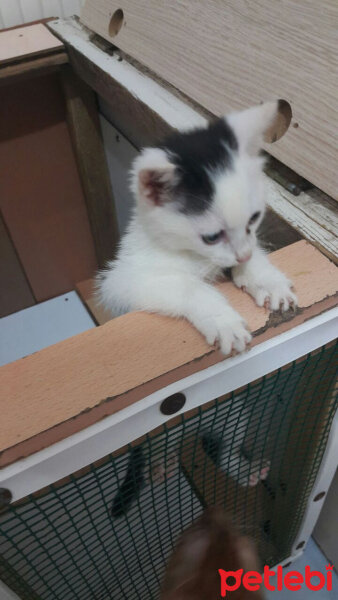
[(280, 124), (154, 184)]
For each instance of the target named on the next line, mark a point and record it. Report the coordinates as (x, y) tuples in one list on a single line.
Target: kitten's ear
[(264, 123), (153, 176)]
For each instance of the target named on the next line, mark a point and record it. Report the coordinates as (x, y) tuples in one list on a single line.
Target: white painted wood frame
[(144, 109)]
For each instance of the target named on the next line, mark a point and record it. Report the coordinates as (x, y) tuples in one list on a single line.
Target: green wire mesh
[(63, 543)]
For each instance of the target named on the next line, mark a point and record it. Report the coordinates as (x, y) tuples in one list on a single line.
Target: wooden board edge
[(114, 404)]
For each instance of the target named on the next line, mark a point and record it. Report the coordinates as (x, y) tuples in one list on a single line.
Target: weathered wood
[(26, 42), (16, 293), (73, 384), (144, 110), (234, 54), (87, 142), (311, 213)]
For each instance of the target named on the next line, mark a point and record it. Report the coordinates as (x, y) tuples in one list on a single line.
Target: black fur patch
[(132, 485), (196, 152)]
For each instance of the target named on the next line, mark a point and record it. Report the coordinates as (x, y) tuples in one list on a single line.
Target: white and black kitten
[(199, 201)]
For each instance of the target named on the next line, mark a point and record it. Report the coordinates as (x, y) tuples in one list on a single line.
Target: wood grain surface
[(25, 42), (233, 54)]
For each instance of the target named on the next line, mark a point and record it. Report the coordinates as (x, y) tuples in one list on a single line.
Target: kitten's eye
[(213, 238), (254, 218)]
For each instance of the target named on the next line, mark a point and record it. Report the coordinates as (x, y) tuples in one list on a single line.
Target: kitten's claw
[(272, 291), (228, 331)]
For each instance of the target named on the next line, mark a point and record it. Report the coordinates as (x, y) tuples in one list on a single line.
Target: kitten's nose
[(243, 258)]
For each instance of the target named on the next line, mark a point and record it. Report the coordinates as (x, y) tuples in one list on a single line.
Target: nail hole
[(287, 565), (173, 404), (319, 496), (296, 125), (116, 22), (300, 545)]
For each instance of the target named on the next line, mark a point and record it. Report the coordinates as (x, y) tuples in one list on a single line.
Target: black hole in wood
[(5, 497), (116, 22), (287, 565), (300, 545), (319, 496), (173, 404)]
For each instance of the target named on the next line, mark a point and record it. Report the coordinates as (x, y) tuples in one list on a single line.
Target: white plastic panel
[(120, 154), (42, 325)]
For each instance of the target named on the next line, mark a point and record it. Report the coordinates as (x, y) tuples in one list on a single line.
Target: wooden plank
[(75, 383), (15, 291), (233, 55), (86, 291), (43, 207), (25, 42), (27, 24), (314, 217), (85, 131), (145, 110), (32, 68)]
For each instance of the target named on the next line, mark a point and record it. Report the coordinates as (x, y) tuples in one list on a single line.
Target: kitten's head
[(202, 191)]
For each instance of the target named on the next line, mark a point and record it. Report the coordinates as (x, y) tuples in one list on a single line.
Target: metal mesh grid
[(63, 543)]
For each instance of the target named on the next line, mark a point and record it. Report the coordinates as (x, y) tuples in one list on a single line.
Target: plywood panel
[(75, 383), (25, 42), (85, 131), (40, 190), (234, 54), (15, 293)]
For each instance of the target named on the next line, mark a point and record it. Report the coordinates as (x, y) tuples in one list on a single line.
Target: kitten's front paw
[(272, 290), (228, 330)]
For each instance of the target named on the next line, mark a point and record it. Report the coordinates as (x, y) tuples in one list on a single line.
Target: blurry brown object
[(210, 543)]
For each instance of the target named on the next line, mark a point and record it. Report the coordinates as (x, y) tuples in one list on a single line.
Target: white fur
[(164, 266)]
